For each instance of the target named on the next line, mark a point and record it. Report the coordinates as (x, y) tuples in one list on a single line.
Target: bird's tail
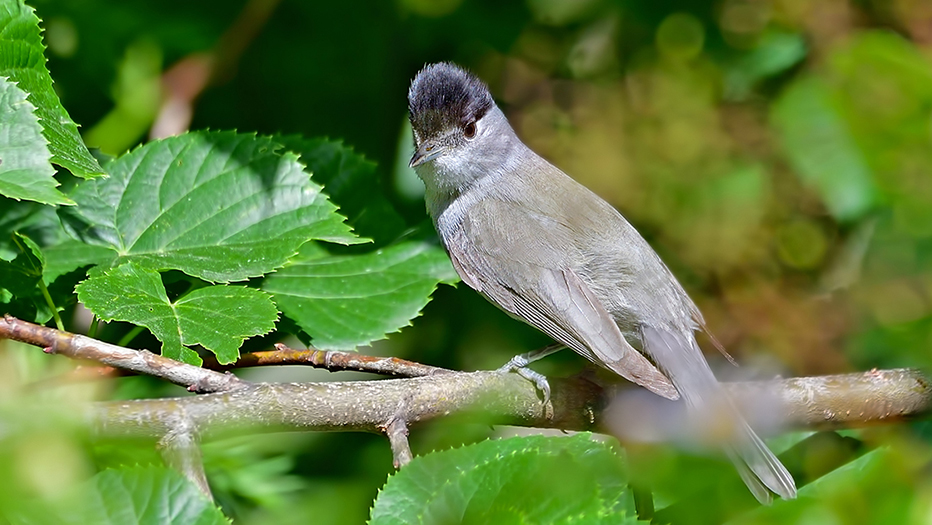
[(758, 467), (679, 356)]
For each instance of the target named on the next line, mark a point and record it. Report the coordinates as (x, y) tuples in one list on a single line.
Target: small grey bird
[(551, 253)]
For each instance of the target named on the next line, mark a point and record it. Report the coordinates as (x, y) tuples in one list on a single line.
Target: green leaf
[(878, 487), (821, 149), (22, 60), (218, 318), (37, 221), (533, 479), (62, 253), (24, 226), (22, 278), (351, 182), (25, 170), (139, 494), (882, 83), (70, 255), (346, 301), (776, 52), (22, 274), (220, 206)]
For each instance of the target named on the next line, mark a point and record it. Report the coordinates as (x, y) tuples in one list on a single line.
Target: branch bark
[(332, 360), (238, 406), (76, 346), (181, 451), (835, 401), (397, 432)]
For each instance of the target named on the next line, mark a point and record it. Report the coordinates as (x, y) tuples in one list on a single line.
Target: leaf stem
[(48, 299), (92, 329), (130, 335)]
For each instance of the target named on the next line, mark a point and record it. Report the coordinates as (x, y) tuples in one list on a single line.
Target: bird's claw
[(518, 364)]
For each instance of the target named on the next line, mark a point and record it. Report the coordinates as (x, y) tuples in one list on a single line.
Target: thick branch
[(845, 400), (813, 402), (810, 402), (348, 406)]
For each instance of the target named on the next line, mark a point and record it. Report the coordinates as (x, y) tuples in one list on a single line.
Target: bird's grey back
[(624, 272)]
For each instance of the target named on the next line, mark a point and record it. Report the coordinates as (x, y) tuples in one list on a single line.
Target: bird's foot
[(518, 365)]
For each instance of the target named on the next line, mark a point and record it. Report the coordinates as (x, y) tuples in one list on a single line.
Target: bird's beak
[(427, 152)]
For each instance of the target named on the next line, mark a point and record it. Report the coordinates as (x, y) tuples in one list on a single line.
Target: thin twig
[(397, 431), (332, 360)]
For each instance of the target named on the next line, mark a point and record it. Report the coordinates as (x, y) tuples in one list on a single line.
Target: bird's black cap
[(444, 95)]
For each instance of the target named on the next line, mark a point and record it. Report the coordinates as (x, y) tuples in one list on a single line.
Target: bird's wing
[(551, 297)]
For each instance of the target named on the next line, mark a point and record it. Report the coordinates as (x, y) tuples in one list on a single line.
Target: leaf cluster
[(164, 230)]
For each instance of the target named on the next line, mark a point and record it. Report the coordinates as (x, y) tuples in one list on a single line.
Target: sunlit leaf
[(533, 479), (217, 317), (25, 171), (219, 206), (351, 182), (878, 487), (346, 301), (22, 59)]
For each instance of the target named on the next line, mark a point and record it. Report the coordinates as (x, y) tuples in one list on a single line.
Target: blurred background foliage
[(776, 153)]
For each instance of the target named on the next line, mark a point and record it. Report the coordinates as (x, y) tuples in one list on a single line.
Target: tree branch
[(331, 360), (844, 400), (236, 406), (494, 397), (397, 432), (180, 450), (76, 346)]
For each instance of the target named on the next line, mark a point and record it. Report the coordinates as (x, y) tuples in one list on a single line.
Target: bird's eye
[(470, 130)]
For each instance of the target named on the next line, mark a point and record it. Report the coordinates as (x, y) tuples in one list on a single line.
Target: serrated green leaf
[(821, 149), (351, 182), (218, 317), (532, 479), (62, 254), (139, 494), (346, 301), (37, 221), (22, 278), (220, 206), (22, 273), (70, 255), (882, 482), (25, 170), (22, 60)]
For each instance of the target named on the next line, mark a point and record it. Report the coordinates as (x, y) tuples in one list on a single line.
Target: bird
[(549, 252)]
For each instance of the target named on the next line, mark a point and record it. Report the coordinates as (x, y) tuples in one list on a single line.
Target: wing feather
[(560, 304)]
